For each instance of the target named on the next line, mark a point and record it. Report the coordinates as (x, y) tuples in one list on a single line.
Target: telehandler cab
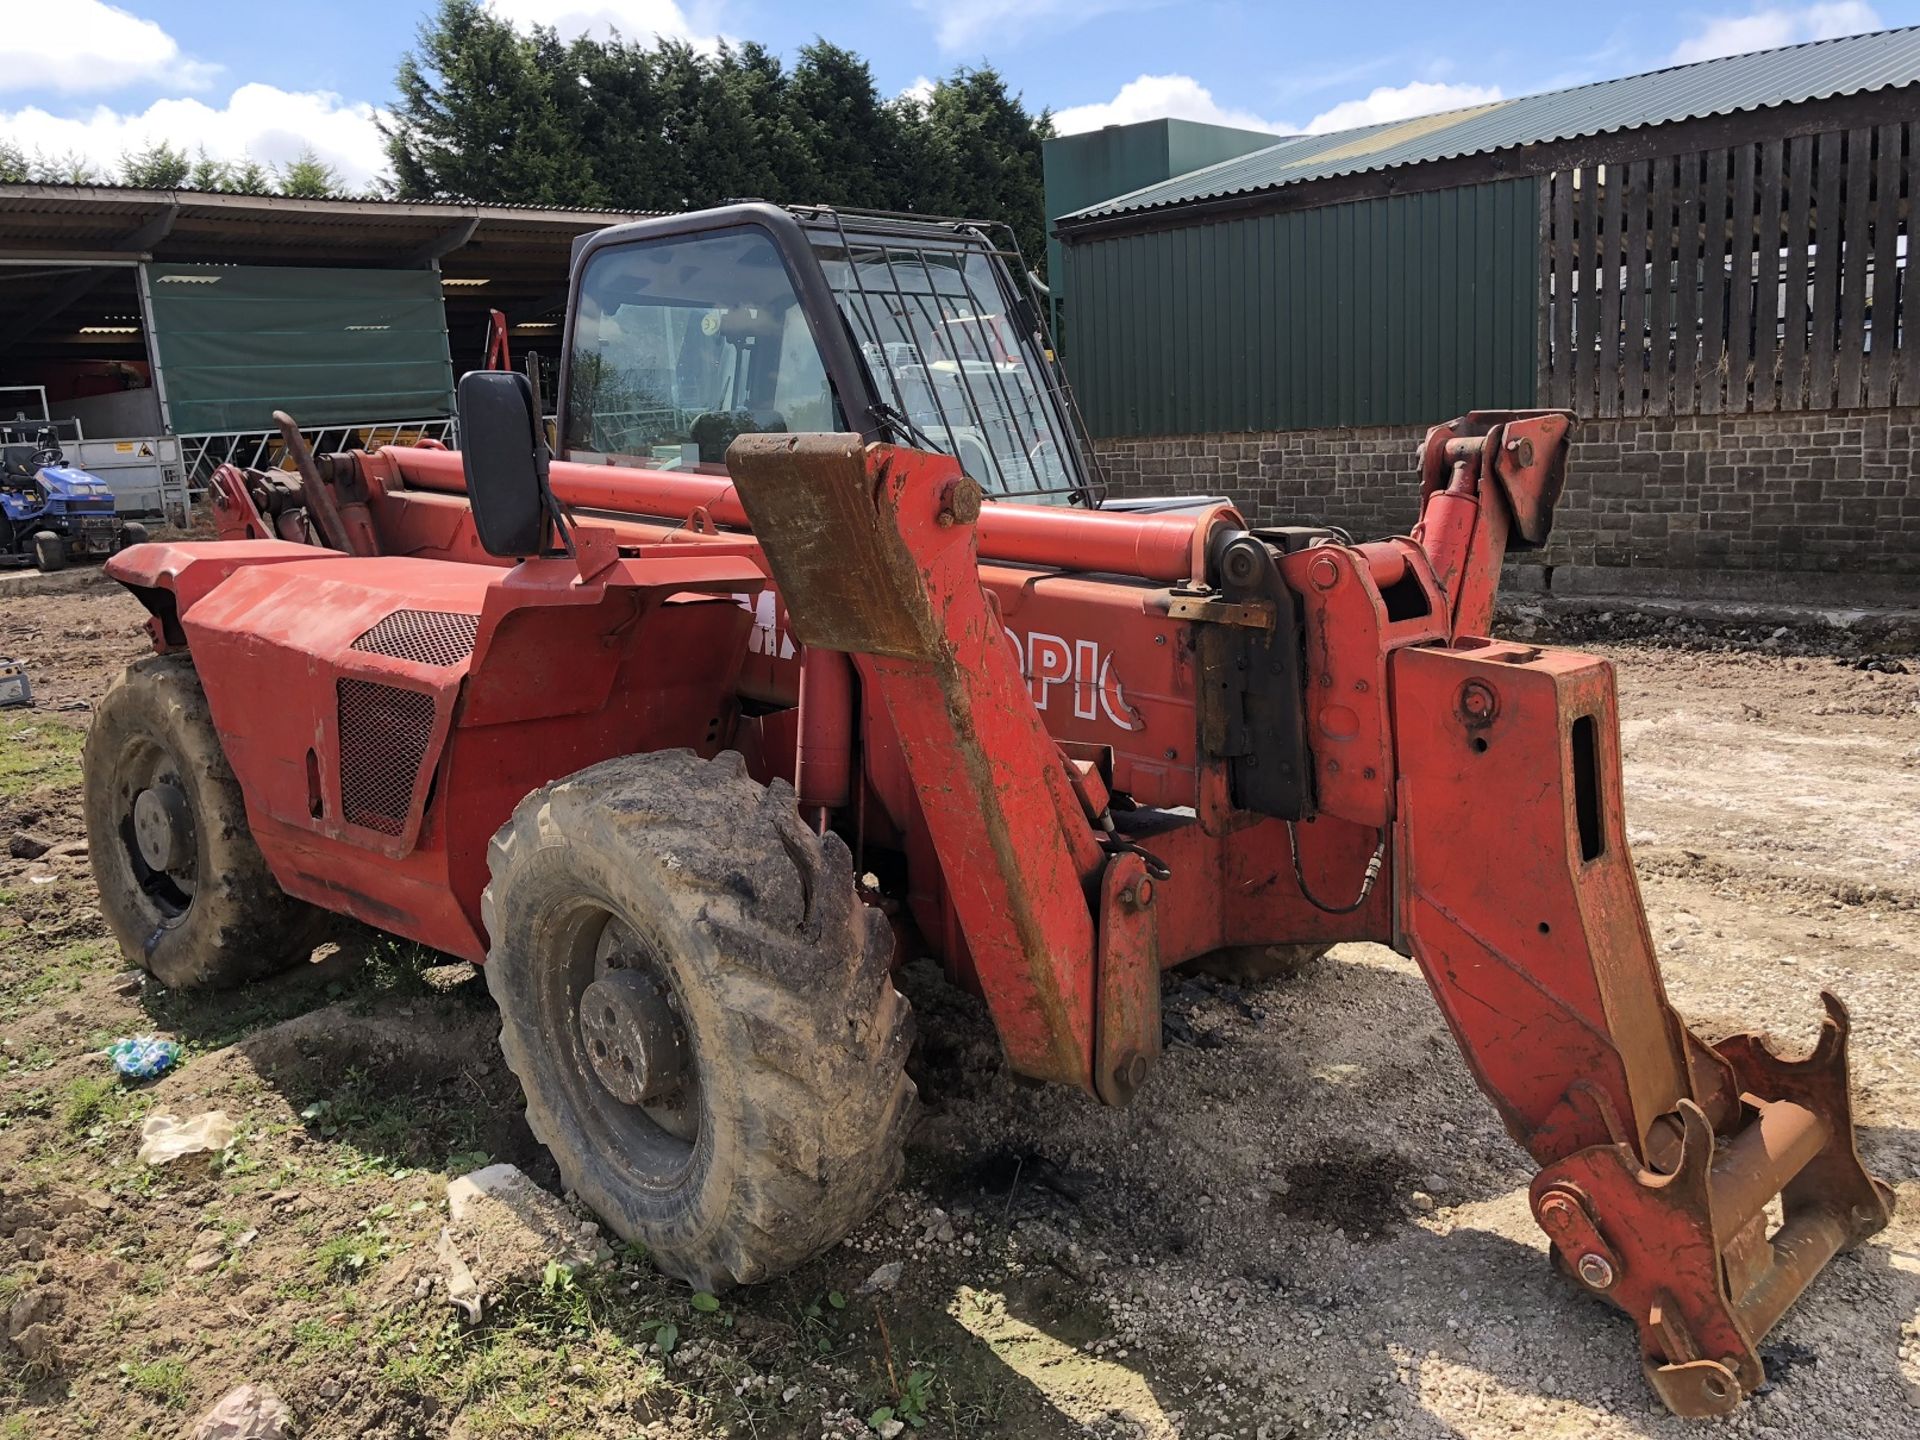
[(817, 609)]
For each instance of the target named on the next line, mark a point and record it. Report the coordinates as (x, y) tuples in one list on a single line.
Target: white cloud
[(259, 121), (643, 21), (79, 45), (1153, 97), (975, 24), (1769, 29), (1181, 97), (1402, 102), (920, 92)]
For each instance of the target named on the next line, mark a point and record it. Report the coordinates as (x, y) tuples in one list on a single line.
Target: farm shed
[(163, 327), (1709, 264)]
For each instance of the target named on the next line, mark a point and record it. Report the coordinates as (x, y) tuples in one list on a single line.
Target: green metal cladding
[(1392, 311)]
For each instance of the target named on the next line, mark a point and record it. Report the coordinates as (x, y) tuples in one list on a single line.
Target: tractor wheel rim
[(162, 826), (631, 1037), (662, 1091), (157, 830)]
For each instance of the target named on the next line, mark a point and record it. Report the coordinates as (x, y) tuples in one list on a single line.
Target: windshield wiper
[(905, 429)]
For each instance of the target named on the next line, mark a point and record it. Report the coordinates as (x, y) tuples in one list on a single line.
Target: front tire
[(700, 1012), (49, 552), (187, 892)]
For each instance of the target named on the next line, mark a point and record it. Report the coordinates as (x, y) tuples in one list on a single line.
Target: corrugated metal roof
[(513, 258), (216, 228), (1818, 70), (98, 194)]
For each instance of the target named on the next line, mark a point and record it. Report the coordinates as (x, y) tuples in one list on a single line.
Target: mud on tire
[(787, 1101), (212, 916)]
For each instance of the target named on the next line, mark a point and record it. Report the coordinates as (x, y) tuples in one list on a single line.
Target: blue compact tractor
[(51, 511)]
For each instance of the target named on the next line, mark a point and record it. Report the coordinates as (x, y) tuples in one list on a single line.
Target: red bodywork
[(1007, 709)]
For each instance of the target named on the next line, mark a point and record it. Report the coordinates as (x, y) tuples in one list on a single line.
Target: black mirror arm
[(543, 458), (556, 514)]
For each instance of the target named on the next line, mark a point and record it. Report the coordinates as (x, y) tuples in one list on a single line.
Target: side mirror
[(503, 449)]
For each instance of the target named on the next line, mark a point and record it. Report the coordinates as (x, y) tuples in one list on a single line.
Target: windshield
[(682, 343), (938, 333)]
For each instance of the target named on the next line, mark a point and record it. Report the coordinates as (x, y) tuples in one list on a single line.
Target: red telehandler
[(817, 619)]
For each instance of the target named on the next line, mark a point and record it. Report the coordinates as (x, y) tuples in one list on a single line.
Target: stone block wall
[(1831, 494)]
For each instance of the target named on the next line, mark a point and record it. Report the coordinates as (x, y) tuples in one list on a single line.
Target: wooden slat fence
[(1777, 275)]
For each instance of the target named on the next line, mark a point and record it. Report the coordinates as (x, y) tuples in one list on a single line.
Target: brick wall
[(1792, 494)]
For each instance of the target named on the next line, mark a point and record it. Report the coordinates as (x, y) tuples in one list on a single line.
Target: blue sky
[(94, 78)]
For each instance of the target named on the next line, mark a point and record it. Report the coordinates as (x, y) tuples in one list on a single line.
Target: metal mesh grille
[(426, 637), (384, 732), (955, 352)]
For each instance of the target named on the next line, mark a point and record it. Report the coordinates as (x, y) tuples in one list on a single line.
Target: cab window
[(682, 343)]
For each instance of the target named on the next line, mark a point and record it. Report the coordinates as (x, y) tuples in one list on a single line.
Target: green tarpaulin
[(234, 343)]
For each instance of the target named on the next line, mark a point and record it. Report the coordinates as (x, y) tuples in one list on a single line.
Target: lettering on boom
[(768, 636), (1051, 661), (1047, 662)]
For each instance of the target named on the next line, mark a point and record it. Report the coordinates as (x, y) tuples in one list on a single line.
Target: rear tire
[(1253, 964), (780, 1123), (209, 915), (49, 552)]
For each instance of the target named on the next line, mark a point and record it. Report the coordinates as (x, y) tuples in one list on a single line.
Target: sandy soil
[(1309, 1223)]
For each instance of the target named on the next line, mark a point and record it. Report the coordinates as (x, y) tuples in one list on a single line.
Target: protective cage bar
[(904, 295)]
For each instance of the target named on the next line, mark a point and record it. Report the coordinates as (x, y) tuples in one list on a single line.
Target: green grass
[(37, 750), (516, 1373), (350, 1256), (88, 1113), (37, 1056), (368, 975), (154, 1279), (552, 1352), (27, 978), (374, 1127), (394, 970), (316, 1336), (90, 1100), (162, 1380)]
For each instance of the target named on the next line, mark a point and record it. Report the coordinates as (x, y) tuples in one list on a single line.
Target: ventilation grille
[(426, 637), (384, 732)]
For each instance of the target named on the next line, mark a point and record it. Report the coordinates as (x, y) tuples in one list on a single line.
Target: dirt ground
[(1308, 1224)]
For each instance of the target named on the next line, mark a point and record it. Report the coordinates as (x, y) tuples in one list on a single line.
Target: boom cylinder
[(1163, 548), (823, 761)]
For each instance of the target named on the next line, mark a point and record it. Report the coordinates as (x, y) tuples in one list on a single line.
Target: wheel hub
[(632, 1038), (162, 826)]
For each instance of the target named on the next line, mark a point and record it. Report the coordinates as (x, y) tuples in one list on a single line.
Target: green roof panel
[(1820, 70)]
